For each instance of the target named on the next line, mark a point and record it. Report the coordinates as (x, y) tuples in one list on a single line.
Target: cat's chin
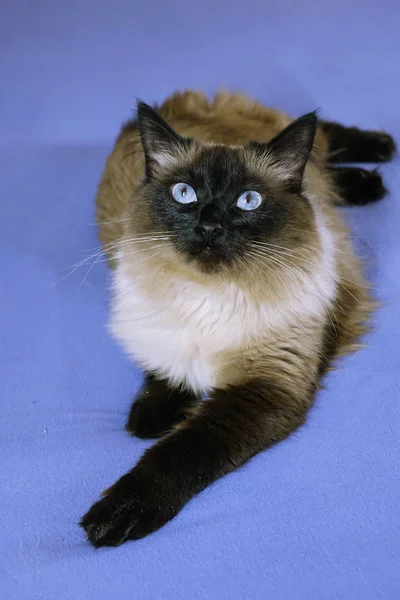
[(208, 261), (208, 268)]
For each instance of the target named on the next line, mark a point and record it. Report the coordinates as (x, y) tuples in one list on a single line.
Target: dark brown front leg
[(157, 408), (222, 434)]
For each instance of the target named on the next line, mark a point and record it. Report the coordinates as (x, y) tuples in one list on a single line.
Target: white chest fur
[(181, 329)]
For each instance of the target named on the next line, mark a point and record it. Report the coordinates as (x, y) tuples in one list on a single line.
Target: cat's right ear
[(162, 146)]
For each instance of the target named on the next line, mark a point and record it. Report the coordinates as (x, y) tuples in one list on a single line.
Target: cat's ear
[(161, 144), (289, 152)]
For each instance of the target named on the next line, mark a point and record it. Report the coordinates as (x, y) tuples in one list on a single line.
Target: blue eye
[(249, 200), (183, 193)]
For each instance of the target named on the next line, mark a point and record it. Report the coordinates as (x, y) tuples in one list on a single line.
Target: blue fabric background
[(316, 518)]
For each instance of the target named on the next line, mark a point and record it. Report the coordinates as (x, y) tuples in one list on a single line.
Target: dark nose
[(208, 231)]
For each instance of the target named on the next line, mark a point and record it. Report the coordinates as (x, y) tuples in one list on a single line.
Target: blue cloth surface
[(315, 518)]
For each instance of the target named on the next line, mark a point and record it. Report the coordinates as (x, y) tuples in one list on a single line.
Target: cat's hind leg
[(353, 145), (356, 186)]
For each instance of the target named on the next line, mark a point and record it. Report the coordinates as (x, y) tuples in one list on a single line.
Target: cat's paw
[(129, 510), (372, 188), (149, 416), (367, 187), (383, 146), (157, 409)]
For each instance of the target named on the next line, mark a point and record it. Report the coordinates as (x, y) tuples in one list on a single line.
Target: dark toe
[(385, 147), (104, 529)]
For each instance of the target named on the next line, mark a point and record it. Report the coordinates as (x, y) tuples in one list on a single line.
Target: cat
[(235, 286)]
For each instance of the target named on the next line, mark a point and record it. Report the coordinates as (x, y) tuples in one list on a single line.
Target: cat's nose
[(209, 231)]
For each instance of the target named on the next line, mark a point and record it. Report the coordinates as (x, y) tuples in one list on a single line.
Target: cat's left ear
[(161, 144), (289, 152)]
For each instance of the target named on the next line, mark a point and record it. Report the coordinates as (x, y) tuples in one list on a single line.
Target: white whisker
[(125, 220), (87, 273), (100, 255)]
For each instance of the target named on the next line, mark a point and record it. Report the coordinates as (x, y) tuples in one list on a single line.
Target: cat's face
[(223, 205)]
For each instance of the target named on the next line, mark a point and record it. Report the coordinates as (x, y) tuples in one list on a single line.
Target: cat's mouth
[(208, 258)]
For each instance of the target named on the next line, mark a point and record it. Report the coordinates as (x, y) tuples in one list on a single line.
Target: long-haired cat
[(234, 286)]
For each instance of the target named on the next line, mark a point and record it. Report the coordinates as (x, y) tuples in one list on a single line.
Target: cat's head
[(225, 206)]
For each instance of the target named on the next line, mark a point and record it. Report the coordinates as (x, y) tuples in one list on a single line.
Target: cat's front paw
[(149, 416), (129, 510), (157, 409)]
